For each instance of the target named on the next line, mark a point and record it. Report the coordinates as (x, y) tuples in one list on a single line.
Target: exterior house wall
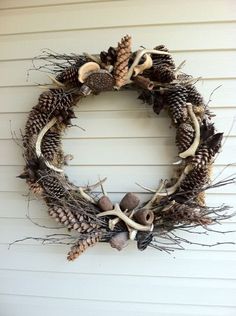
[(123, 140)]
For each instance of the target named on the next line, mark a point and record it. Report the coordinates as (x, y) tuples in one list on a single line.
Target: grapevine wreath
[(177, 204)]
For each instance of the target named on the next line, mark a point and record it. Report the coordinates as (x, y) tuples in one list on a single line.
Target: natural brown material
[(129, 202), (104, 203), (121, 65), (82, 245), (184, 136)]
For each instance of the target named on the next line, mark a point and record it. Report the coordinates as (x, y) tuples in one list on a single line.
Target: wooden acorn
[(119, 241), (144, 216), (105, 204), (129, 202)]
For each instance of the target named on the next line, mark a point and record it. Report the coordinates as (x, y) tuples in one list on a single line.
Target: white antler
[(139, 55), (39, 141), (192, 149), (131, 223)]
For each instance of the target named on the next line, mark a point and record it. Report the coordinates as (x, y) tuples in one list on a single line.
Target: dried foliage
[(177, 205)]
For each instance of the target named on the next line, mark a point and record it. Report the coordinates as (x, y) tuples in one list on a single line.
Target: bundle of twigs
[(177, 204)]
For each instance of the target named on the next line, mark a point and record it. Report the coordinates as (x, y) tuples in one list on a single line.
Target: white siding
[(124, 141)]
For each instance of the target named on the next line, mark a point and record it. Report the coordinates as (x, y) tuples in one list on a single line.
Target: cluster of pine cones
[(93, 75)]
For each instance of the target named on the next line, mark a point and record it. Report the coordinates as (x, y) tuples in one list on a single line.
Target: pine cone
[(69, 76), (51, 145), (163, 73), (71, 220), (184, 136), (51, 184), (82, 245), (36, 121), (109, 57), (194, 96), (207, 151), (121, 65), (54, 101), (176, 100), (192, 183), (162, 59)]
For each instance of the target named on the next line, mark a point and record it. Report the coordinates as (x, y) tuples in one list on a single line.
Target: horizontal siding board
[(11, 304), (120, 178), (82, 16), (173, 291), (29, 45), (21, 99), (129, 151), (118, 124), (161, 264), (198, 64), (13, 4)]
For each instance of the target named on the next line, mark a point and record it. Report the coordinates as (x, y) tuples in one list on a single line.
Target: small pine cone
[(163, 73), (51, 185), (162, 59), (121, 65), (35, 188), (54, 101), (193, 182), (184, 136), (176, 101), (82, 245), (71, 220), (194, 96), (69, 76), (109, 57), (51, 145)]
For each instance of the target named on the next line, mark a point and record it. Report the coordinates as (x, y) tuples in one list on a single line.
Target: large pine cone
[(51, 184), (162, 59), (176, 100), (194, 96), (54, 101), (51, 147), (69, 76), (192, 184), (207, 151), (163, 73), (184, 136)]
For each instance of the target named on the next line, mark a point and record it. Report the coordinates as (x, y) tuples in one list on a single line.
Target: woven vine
[(178, 203)]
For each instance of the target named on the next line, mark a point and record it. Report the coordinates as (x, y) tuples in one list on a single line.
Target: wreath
[(90, 218)]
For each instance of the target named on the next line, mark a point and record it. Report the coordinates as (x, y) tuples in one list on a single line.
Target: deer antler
[(131, 223), (192, 149), (139, 55), (39, 141)]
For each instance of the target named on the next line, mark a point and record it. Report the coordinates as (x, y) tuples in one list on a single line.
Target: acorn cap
[(105, 204), (144, 216), (129, 202)]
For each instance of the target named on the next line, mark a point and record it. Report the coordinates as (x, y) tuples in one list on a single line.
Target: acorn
[(105, 204), (144, 217), (129, 202), (119, 241)]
